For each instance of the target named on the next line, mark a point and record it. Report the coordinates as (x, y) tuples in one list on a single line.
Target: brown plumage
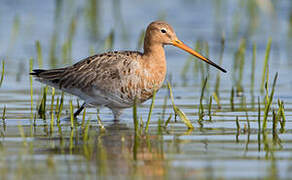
[(115, 79)]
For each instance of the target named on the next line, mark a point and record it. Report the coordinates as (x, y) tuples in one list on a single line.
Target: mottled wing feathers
[(103, 71)]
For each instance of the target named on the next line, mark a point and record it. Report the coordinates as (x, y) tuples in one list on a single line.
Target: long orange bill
[(181, 45)]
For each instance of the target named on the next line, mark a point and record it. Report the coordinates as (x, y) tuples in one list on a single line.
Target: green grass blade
[(42, 107), (282, 115), (39, 53), (101, 126), (60, 108), (71, 114), (259, 114), (52, 110), (181, 114), (2, 73), (254, 48), (210, 108), (218, 76), (109, 41), (237, 124), (135, 116), (150, 111), (31, 88), (266, 64), (232, 99), (83, 118), (4, 117), (168, 120), (269, 102), (201, 107), (217, 100)]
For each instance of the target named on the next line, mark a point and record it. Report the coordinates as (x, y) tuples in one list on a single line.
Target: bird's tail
[(51, 77)]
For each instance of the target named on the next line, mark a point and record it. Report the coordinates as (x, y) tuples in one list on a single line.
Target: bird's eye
[(163, 30)]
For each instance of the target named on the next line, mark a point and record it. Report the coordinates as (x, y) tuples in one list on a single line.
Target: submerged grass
[(22, 134)]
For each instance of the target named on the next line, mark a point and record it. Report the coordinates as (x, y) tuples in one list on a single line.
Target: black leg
[(79, 110)]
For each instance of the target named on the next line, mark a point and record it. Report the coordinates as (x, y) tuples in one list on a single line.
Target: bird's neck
[(154, 52), (154, 62)]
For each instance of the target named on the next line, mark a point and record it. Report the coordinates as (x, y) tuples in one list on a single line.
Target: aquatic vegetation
[(201, 106), (39, 54), (239, 65), (4, 118), (52, 110), (150, 111), (43, 104), (2, 73), (269, 100), (232, 99), (135, 116), (266, 65), (71, 114), (60, 108), (210, 108), (281, 115), (179, 112), (217, 100), (109, 41), (218, 76), (253, 67)]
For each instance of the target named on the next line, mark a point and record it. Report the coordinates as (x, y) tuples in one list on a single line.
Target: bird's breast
[(151, 77)]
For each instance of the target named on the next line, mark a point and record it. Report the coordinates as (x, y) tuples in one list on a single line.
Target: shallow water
[(30, 148)]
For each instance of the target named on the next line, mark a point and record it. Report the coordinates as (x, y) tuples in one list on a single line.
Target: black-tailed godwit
[(116, 79)]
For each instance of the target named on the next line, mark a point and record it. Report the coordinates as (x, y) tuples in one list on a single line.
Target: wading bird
[(117, 79)]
